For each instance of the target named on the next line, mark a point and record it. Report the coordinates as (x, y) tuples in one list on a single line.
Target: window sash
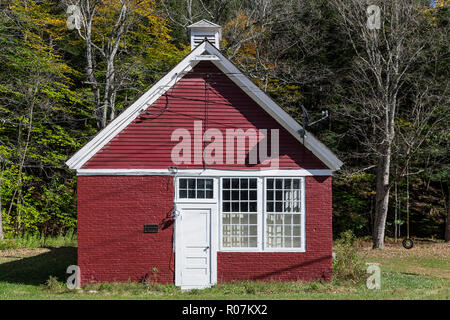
[(195, 188), (239, 213), (284, 214)]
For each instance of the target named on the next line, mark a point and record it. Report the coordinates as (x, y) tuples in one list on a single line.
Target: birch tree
[(389, 39), (116, 34)]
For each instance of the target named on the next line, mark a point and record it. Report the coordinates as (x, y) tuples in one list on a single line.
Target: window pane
[(278, 206), (183, 183), (201, 194), (278, 183)]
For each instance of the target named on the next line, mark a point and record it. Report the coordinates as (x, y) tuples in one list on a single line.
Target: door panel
[(196, 235)]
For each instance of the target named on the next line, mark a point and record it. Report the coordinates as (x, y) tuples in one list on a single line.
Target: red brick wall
[(314, 263), (112, 211)]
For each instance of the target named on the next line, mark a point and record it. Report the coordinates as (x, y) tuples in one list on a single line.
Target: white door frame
[(179, 258)]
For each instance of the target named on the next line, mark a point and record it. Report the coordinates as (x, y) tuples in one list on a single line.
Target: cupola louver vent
[(205, 29)]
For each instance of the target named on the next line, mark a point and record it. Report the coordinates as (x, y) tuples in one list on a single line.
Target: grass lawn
[(420, 273)]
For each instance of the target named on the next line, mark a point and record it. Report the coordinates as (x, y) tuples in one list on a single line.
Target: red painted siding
[(313, 264), (112, 245), (205, 94)]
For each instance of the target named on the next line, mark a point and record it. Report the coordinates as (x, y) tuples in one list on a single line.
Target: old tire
[(408, 243)]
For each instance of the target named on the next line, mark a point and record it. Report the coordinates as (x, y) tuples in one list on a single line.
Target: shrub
[(53, 285), (347, 265)]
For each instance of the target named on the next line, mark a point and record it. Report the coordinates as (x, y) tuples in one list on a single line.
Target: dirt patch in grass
[(428, 259), (21, 253), (420, 250)]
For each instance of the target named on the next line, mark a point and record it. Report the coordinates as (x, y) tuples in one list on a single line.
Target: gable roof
[(203, 24), (172, 77)]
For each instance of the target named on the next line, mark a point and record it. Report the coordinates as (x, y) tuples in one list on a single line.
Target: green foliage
[(39, 240), (348, 265), (54, 286), (353, 198)]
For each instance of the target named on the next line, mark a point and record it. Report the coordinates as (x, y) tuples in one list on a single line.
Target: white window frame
[(261, 216), (258, 216), (214, 199), (302, 213)]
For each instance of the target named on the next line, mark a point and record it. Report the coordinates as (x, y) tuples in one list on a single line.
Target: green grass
[(36, 240), (419, 273)]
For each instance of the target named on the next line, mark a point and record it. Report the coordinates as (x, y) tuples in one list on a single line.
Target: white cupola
[(205, 29)]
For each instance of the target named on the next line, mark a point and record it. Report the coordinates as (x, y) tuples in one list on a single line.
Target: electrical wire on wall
[(168, 94), (205, 125)]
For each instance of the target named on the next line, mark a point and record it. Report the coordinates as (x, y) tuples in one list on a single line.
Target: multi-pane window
[(283, 213), (195, 188), (239, 213)]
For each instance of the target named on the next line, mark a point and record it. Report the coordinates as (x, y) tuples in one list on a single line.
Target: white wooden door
[(195, 225)]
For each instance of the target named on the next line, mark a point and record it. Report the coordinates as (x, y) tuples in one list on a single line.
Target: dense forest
[(67, 68)]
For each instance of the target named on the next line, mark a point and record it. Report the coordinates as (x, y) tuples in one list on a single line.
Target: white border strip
[(205, 172)]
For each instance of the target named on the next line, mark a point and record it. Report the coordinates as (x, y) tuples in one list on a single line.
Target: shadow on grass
[(37, 269)]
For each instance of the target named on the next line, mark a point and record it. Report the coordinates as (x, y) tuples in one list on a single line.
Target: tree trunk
[(447, 223), (382, 198)]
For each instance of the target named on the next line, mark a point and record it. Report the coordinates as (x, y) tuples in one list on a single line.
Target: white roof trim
[(170, 79), (205, 172), (203, 24)]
